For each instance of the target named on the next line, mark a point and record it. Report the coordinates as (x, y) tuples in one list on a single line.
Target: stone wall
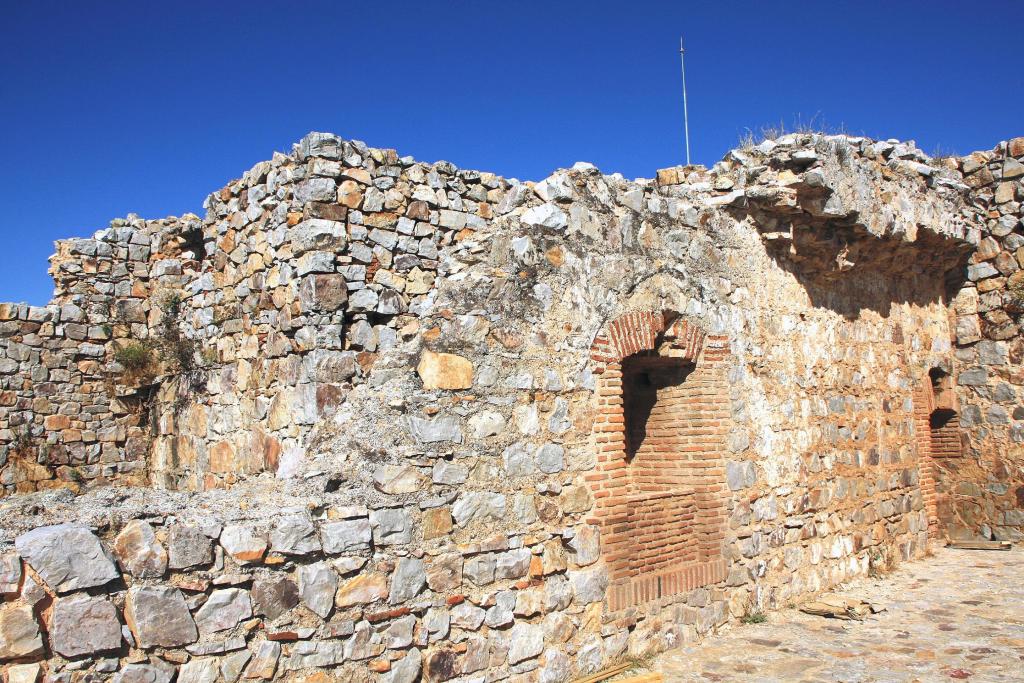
[(70, 412), (405, 420), (981, 486)]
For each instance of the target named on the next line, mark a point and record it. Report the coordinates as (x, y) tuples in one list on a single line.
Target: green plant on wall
[(135, 357)]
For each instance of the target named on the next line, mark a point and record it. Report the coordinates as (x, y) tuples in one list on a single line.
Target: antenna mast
[(686, 118)]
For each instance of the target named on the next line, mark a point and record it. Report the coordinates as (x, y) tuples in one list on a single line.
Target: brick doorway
[(937, 423), (662, 416)]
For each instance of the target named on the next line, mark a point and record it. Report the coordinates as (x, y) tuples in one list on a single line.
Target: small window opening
[(643, 377), (193, 246)]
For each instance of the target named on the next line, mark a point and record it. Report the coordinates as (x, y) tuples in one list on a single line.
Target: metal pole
[(686, 118)]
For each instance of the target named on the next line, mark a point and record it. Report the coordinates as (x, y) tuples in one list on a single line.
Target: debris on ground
[(980, 545), (839, 607)]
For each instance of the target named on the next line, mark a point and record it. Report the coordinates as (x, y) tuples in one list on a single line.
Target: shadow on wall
[(848, 270)]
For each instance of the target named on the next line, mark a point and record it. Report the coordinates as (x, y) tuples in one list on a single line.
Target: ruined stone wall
[(71, 412), (981, 483), (400, 446)]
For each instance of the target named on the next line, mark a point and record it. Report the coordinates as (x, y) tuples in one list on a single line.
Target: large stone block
[(67, 556), (188, 547), (84, 625), (138, 551), (19, 632), (224, 609), (445, 371), (158, 616)]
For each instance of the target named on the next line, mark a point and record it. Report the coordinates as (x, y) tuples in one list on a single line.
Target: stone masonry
[(373, 419)]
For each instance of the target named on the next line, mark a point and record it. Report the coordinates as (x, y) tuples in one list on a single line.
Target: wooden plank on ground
[(606, 673), (980, 545), (652, 677)]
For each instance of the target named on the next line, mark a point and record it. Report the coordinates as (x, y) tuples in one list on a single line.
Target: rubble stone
[(318, 583), (84, 625), (158, 616), (223, 610), (138, 551), (188, 547), (68, 557), (19, 632)]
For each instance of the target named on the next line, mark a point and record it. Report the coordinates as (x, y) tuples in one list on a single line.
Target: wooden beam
[(980, 545)]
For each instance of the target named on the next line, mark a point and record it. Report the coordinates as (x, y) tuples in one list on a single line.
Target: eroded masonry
[(373, 419)]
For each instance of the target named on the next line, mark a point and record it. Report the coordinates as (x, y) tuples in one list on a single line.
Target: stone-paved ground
[(957, 615)]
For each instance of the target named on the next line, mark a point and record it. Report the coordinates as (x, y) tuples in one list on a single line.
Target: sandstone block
[(444, 572), (437, 522), (361, 590), (242, 543), (445, 371), (264, 663), (274, 595), (19, 632)]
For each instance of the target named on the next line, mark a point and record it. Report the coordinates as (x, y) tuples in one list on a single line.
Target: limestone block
[(294, 535), (318, 583), (527, 641), (407, 581), (346, 536), (199, 670), (10, 573)]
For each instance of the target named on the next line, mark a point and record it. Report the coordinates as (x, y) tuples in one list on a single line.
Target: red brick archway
[(659, 482)]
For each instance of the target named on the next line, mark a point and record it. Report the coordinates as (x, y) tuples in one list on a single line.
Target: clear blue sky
[(108, 108)]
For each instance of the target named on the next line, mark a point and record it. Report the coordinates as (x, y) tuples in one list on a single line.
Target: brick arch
[(660, 504)]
